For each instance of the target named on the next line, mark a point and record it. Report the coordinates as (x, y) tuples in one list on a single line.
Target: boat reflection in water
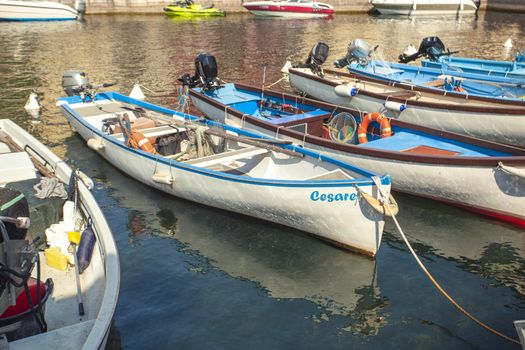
[(284, 262), (478, 245)]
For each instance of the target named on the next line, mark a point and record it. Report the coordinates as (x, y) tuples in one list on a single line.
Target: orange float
[(377, 117), (138, 140)]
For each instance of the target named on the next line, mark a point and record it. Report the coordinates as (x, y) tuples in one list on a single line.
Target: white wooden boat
[(424, 7), (35, 10), (474, 174), (292, 187), (520, 328), (290, 8), (24, 161), (474, 116)]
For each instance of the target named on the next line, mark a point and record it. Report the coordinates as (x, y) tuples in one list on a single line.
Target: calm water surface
[(198, 278)]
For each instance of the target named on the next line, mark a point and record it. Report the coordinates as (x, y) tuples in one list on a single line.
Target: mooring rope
[(438, 286), (278, 81)]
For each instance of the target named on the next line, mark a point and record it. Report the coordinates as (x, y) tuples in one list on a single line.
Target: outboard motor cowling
[(316, 58), (319, 54), (73, 81), (358, 51), (431, 47), (206, 70)]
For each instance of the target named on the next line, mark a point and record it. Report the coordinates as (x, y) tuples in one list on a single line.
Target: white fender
[(286, 67), (163, 178), (32, 102), (95, 144), (345, 90), (136, 92), (395, 106)]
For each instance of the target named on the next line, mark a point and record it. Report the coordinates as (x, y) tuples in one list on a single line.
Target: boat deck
[(407, 142)]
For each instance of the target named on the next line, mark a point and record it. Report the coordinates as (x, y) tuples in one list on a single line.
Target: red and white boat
[(290, 8)]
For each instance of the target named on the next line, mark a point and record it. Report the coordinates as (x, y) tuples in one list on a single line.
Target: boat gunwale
[(365, 181), (518, 108), (373, 152), (111, 262), (62, 7)]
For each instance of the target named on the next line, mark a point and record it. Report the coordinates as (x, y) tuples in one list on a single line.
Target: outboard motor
[(358, 51), (74, 81), (16, 264), (205, 73), (206, 70), (431, 47), (317, 57)]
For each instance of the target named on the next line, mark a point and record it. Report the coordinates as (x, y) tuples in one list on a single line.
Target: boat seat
[(140, 123), (336, 174), (435, 83), (225, 157), (403, 94), (153, 133), (16, 166)]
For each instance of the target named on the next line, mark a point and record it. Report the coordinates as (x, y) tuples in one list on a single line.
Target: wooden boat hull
[(100, 281), (473, 184), (14, 10), (498, 123), (303, 205), (424, 7)]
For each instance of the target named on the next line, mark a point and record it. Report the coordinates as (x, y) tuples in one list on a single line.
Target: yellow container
[(55, 258), (74, 237)]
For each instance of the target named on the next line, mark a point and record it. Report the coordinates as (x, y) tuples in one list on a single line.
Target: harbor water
[(194, 277)]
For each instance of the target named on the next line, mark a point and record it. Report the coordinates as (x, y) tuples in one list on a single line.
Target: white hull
[(289, 9), (504, 128), (13, 10), (483, 189), (283, 14), (286, 205), (424, 7), (100, 281)]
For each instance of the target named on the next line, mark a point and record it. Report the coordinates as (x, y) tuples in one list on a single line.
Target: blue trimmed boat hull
[(311, 193), (497, 88), (508, 69), (429, 163)]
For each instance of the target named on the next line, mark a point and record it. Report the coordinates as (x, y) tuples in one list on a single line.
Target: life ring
[(138, 140), (377, 117)]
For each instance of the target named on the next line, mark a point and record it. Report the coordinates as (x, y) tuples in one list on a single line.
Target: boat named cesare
[(228, 168)]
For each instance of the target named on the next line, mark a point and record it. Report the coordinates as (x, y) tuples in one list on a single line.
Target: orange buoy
[(377, 117), (138, 140)]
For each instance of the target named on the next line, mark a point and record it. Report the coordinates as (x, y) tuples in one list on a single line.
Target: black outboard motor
[(316, 58), (205, 73), (431, 47)]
